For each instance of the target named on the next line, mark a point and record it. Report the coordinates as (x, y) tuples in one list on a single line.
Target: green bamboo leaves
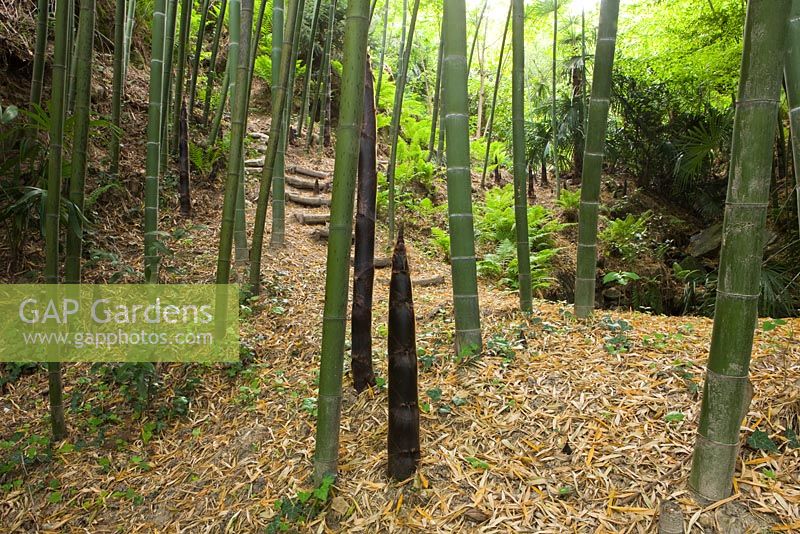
[(459, 186), (725, 393), (520, 175), (593, 158), (341, 228)]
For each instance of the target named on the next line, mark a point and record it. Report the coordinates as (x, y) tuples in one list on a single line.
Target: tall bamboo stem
[(490, 122)]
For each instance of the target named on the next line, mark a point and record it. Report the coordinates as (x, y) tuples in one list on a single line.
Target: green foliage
[(626, 236), (298, 510), (569, 200), (441, 241), (263, 68)]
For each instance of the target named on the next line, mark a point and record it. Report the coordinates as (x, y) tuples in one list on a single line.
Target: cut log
[(257, 162), (308, 201), (259, 135), (380, 263), (307, 172), (323, 233), (310, 185), (432, 281), (312, 218)]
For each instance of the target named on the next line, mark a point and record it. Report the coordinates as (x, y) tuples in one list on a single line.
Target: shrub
[(626, 236)]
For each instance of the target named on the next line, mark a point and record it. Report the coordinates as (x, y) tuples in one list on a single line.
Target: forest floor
[(558, 426)]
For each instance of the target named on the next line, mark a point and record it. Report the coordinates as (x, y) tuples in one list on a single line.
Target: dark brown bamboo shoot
[(403, 442), (364, 271)]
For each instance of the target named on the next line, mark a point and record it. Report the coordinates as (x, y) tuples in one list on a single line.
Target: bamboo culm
[(198, 50), (792, 77), (436, 95), (383, 52), (118, 86), (459, 186), (180, 80), (594, 151), (519, 149), (53, 200), (42, 12), (213, 132), (341, 227), (364, 255), (554, 148), (403, 435), (279, 33), (490, 122), (212, 68), (397, 112), (83, 83), (166, 90), (265, 184), (727, 390), (307, 85), (151, 258)]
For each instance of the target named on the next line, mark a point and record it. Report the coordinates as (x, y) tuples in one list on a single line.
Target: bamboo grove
[(197, 79)]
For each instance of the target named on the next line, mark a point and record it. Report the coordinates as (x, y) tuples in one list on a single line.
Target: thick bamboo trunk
[(83, 83), (151, 258), (183, 37), (265, 184), (279, 42), (593, 159), (336, 276), (166, 89), (725, 392), (519, 148), (364, 264), (242, 106), (459, 186), (403, 435)]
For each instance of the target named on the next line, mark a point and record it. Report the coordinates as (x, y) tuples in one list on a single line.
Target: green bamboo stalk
[(71, 57), (41, 47), (459, 186), (118, 83), (326, 76), (594, 150), (727, 390), (383, 51), (198, 50), (293, 71), (53, 200), (325, 118), (180, 79), (166, 90), (223, 98), (269, 157), (307, 87), (475, 37), (397, 112), (792, 77), (553, 101), (212, 71), (520, 174), (254, 50), (130, 20), (83, 84), (341, 228), (490, 123), (153, 165), (245, 48), (436, 94), (277, 236)]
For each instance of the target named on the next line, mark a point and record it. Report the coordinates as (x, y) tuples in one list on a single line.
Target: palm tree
[(397, 112), (52, 203), (727, 390), (520, 175), (593, 159), (459, 187), (336, 276)]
